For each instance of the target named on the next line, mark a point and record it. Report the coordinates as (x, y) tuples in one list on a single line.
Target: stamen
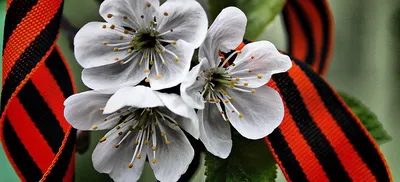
[(109, 15), (165, 14), (227, 59)]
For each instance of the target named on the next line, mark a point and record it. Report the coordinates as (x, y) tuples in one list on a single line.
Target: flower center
[(143, 125), (145, 40)]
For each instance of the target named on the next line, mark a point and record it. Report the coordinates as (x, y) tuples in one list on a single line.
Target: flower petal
[(262, 112), (89, 48), (114, 161), (189, 121), (138, 97), (172, 159), (215, 133), (83, 112), (225, 34), (263, 59), (114, 76), (192, 86), (128, 12), (172, 72), (186, 18)]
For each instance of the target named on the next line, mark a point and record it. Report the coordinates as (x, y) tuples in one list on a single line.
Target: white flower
[(140, 40), (236, 94), (145, 123)]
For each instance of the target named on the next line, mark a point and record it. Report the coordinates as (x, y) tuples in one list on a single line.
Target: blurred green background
[(365, 64)]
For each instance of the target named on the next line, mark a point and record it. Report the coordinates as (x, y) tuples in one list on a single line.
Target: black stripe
[(60, 73), (286, 156), (305, 28), (348, 124), (326, 30), (41, 115), (31, 56), (310, 131), (15, 13), (61, 167), (26, 165)]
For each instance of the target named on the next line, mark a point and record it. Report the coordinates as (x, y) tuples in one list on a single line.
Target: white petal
[(262, 112), (138, 97), (89, 48), (132, 9), (215, 132), (114, 161), (186, 18), (172, 72), (114, 76), (175, 104), (192, 86), (225, 34), (262, 58), (82, 110), (173, 159)]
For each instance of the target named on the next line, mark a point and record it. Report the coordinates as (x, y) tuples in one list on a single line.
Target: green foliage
[(368, 119), (250, 160), (259, 13)]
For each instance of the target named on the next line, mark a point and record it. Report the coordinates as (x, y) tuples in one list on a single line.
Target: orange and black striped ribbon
[(309, 25), (36, 138)]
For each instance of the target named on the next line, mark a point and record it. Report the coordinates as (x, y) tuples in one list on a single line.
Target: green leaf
[(250, 160), (368, 119), (259, 13)]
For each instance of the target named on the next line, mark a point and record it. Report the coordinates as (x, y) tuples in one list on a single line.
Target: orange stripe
[(351, 161), (296, 141), (30, 136), (300, 48), (29, 28), (316, 23), (51, 93)]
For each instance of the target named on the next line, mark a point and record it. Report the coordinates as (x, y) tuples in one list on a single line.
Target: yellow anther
[(126, 31), (163, 51), (259, 76), (120, 133), (232, 98), (165, 14), (105, 43), (145, 56), (151, 62), (246, 84), (103, 26), (237, 78), (240, 115), (130, 165), (158, 52), (94, 127), (250, 71), (151, 132), (251, 57), (116, 49), (112, 26), (121, 37), (239, 51), (233, 64), (158, 76), (146, 142), (226, 101), (105, 119), (125, 17), (153, 148), (176, 59), (147, 80), (154, 161), (102, 139), (101, 109), (109, 15), (136, 142), (146, 70), (253, 91), (121, 62), (138, 156), (118, 127), (163, 133), (233, 111), (218, 101), (173, 42), (167, 142), (148, 4), (116, 145), (130, 50), (116, 59), (222, 112)]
